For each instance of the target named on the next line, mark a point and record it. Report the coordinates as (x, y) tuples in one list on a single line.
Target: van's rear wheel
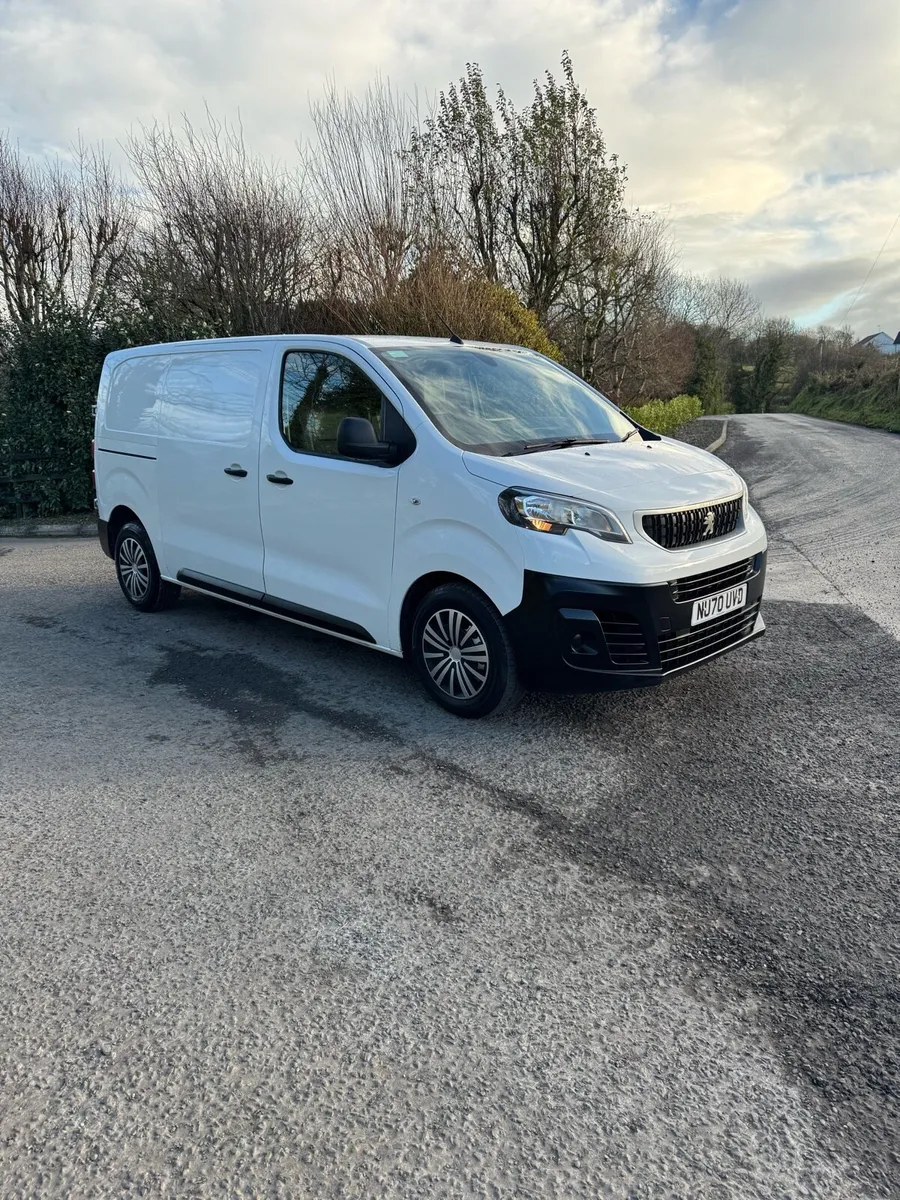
[(138, 572), (463, 654)]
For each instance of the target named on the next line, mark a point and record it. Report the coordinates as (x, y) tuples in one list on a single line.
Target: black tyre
[(463, 654), (138, 572)]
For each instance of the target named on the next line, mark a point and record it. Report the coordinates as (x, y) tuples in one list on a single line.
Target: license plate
[(716, 606)]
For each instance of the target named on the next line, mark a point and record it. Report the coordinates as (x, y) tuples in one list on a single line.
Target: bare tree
[(613, 316), (36, 235), (369, 206), (737, 310), (105, 217), (227, 237), (719, 305), (64, 234)]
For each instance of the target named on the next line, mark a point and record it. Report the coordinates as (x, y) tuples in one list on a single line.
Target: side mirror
[(356, 439)]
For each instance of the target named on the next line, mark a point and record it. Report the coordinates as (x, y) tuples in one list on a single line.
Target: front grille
[(692, 645), (695, 587), (624, 639), (689, 526)]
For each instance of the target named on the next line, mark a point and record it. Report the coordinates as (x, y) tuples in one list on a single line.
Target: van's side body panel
[(209, 422), (125, 438), (329, 534), (349, 539)]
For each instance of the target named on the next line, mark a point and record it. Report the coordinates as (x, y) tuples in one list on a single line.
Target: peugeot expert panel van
[(473, 508)]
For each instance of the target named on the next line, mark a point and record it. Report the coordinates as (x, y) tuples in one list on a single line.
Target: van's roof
[(373, 341)]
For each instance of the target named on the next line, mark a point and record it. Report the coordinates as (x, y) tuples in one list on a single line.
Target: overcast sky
[(768, 131)]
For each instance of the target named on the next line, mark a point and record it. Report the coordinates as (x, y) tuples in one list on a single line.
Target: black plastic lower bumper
[(103, 534), (581, 635)]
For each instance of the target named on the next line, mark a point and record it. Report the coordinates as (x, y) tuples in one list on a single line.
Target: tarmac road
[(273, 925)]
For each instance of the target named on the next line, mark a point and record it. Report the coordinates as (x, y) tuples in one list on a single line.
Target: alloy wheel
[(455, 653), (134, 569)]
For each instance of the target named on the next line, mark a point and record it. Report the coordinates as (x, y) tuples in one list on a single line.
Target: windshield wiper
[(631, 433), (561, 444)]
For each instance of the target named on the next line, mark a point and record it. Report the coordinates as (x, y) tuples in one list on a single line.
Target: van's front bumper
[(581, 635)]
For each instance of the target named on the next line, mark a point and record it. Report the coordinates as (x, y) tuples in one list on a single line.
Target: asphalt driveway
[(273, 925)]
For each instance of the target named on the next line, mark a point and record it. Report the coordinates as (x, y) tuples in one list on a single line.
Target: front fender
[(456, 548)]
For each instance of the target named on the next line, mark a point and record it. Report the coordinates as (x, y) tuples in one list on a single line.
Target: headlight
[(556, 514), (745, 499)]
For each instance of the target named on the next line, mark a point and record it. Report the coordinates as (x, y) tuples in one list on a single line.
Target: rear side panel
[(125, 437)]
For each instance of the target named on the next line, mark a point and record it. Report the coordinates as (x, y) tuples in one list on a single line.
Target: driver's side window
[(318, 389)]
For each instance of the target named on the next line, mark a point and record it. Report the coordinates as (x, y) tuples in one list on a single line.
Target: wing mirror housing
[(356, 439)]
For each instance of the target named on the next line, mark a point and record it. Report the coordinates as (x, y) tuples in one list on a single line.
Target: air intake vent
[(695, 587), (693, 645), (624, 639)]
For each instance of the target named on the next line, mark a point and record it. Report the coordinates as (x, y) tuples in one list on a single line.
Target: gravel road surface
[(272, 925), (703, 432)]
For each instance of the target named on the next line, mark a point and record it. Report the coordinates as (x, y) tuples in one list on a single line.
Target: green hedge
[(665, 416), (48, 383), (876, 404)]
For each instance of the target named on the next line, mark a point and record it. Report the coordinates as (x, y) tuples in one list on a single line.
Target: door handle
[(237, 470), (279, 477)]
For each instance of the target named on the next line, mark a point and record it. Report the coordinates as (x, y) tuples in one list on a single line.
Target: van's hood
[(634, 475)]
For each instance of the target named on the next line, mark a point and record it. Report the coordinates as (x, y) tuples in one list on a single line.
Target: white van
[(474, 508)]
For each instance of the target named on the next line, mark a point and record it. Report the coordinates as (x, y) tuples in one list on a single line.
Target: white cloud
[(765, 129)]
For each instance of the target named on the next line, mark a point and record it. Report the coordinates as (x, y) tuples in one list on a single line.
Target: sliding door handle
[(279, 477), (237, 470)]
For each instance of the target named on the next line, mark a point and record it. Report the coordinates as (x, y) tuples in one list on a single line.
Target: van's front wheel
[(463, 654), (138, 571)]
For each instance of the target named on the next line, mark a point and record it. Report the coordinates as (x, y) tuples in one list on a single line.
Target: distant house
[(882, 343)]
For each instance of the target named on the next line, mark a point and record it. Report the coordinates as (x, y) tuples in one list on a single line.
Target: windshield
[(498, 401)]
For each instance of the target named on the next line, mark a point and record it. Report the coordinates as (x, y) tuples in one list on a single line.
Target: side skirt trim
[(219, 587), (285, 609)]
